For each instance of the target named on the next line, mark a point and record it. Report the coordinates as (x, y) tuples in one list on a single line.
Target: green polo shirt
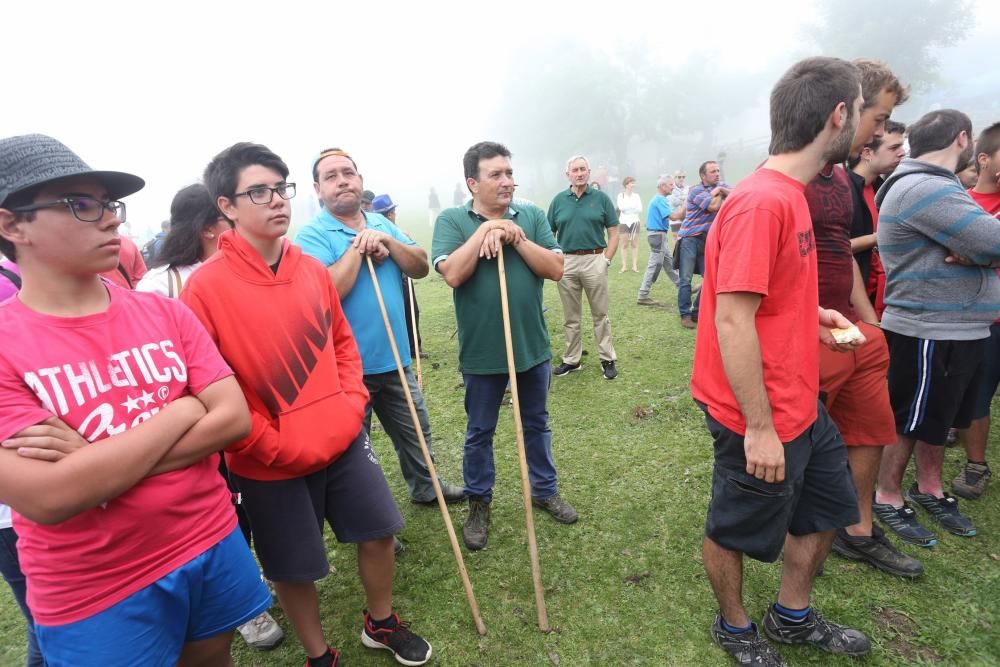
[(580, 223), (481, 347)]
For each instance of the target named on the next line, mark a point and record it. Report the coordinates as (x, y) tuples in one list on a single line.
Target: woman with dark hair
[(195, 226)]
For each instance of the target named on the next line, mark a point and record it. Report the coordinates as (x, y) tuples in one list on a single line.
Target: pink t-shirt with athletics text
[(103, 374)]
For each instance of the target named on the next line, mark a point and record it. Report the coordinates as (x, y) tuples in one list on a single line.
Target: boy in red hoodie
[(276, 317)]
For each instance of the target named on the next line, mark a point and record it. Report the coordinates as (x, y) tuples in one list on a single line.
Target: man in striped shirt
[(703, 202)]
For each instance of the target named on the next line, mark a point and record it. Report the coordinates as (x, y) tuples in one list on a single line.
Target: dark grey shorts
[(752, 516), (287, 516)]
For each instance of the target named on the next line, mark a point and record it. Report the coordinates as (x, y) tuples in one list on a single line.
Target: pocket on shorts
[(750, 485)]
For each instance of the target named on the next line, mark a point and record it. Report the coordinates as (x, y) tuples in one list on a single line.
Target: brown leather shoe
[(688, 323)]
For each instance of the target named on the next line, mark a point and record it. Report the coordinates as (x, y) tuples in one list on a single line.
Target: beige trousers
[(585, 273)]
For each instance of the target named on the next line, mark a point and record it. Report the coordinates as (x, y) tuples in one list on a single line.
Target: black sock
[(387, 623), (325, 660), (978, 463)]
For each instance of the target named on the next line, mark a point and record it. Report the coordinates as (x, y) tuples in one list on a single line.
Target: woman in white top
[(195, 226), (629, 207)]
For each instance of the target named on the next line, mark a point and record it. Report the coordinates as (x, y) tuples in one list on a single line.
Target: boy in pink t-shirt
[(129, 544)]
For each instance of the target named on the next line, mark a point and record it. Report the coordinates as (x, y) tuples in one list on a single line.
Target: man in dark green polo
[(580, 216), (466, 242)]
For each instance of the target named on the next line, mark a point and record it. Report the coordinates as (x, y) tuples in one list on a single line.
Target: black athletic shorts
[(287, 516), (752, 516), (933, 384)]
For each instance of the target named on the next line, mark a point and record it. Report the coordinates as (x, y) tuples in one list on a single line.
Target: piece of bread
[(848, 335)]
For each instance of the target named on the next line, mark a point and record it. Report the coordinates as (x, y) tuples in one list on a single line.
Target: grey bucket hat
[(34, 159)]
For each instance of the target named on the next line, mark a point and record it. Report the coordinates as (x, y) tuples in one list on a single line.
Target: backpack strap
[(11, 276), (121, 270), (174, 283)]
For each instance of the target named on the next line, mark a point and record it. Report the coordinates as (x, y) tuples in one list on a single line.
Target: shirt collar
[(511, 211), (332, 224)]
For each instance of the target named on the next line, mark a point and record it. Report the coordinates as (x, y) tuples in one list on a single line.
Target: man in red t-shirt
[(975, 475), (781, 476), (853, 385)]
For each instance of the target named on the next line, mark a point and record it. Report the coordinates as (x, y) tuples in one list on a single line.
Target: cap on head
[(383, 204), (30, 160), (325, 153)]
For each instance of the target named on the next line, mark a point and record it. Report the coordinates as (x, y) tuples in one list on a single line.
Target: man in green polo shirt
[(580, 216), (466, 242)]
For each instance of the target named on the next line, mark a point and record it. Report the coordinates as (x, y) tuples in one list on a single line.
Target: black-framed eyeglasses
[(264, 194), (84, 209)]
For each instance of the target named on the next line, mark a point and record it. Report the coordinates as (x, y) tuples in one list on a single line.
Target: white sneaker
[(262, 633)]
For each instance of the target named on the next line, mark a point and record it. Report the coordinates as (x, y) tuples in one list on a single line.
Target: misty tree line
[(628, 109)]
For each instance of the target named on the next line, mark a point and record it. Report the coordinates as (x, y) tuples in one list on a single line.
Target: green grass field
[(625, 585)]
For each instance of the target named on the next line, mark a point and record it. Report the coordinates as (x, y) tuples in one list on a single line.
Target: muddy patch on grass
[(902, 630), (640, 413)]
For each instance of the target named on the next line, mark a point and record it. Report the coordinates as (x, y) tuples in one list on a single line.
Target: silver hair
[(664, 179), (575, 158)]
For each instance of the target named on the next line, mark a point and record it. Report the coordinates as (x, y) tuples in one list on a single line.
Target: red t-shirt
[(876, 273), (762, 242), (990, 203), (103, 374), (831, 206), (130, 263)]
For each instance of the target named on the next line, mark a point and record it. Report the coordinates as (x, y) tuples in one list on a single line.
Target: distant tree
[(903, 33)]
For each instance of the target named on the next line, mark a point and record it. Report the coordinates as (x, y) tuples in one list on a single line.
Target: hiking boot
[(451, 493), (477, 525), (610, 372), (972, 481), (647, 302), (749, 648), (944, 511), (878, 552), (817, 631), (407, 647), (903, 522), (688, 323), (262, 633), (565, 369), (559, 509)]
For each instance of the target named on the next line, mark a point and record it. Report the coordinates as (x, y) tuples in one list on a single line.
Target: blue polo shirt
[(658, 214), (327, 239)]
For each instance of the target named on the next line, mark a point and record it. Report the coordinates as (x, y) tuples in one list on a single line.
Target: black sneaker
[(816, 631), (559, 509), (451, 493), (406, 647), (748, 648), (903, 522), (944, 511), (565, 369), (477, 525), (610, 373), (878, 552)]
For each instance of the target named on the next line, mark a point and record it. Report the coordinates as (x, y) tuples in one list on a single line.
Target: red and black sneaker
[(408, 648), (334, 653)]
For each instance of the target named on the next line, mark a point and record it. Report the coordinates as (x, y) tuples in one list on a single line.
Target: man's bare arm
[(609, 252), (543, 262), (739, 346), (859, 298)]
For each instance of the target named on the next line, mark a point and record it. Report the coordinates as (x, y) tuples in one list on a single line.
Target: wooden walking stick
[(529, 517), (416, 336), (427, 456)]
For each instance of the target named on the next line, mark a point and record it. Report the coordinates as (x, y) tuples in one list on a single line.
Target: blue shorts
[(215, 592)]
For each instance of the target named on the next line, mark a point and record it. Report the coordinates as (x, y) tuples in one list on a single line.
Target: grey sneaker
[(944, 511), (262, 633), (878, 552), (972, 481), (560, 510), (451, 493), (816, 631), (748, 648), (646, 301), (477, 525), (610, 372)]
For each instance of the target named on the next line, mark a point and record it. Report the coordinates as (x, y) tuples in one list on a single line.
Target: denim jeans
[(10, 568), (692, 261), (659, 258), (483, 396), (388, 401)]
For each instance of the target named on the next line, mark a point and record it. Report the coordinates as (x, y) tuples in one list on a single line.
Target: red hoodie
[(287, 340)]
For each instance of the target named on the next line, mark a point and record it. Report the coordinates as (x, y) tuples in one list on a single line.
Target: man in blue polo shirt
[(703, 202), (658, 218), (341, 236)]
